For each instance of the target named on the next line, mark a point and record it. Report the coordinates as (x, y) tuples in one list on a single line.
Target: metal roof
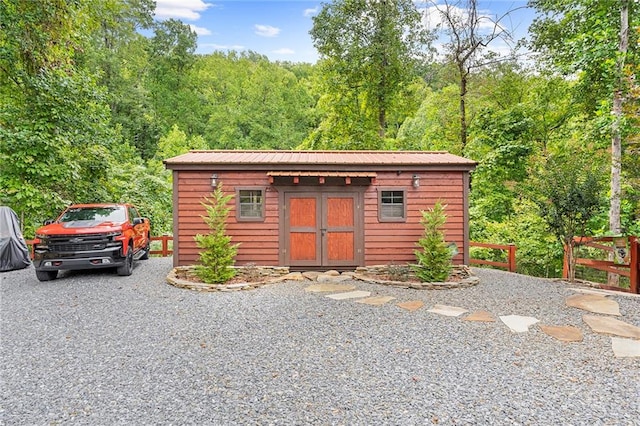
[(231, 159)]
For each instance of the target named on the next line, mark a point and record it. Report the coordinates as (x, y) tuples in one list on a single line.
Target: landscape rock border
[(265, 275), (465, 278)]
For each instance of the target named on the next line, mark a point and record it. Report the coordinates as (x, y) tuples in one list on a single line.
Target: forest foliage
[(94, 95)]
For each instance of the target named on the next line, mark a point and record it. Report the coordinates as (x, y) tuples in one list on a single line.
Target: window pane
[(250, 203), (392, 204)]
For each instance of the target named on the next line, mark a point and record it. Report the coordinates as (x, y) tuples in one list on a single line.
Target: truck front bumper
[(51, 261)]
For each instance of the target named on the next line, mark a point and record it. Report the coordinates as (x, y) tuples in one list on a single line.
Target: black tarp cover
[(14, 253)]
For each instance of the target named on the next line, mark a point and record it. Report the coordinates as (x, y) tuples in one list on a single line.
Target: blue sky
[(280, 29)]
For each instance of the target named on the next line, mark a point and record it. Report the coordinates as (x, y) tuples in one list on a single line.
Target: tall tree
[(368, 49), (470, 34), (54, 121), (250, 102), (590, 39), (118, 54), (171, 56)]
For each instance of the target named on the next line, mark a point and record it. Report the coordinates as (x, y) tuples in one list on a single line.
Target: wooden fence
[(628, 267), (509, 265)]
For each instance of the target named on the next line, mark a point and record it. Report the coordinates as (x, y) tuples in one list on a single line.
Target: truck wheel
[(46, 275), (147, 249), (127, 268)]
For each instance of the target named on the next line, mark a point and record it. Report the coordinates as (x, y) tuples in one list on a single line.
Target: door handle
[(323, 231)]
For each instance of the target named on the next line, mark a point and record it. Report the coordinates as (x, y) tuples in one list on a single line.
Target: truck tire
[(46, 275), (147, 249), (126, 269)]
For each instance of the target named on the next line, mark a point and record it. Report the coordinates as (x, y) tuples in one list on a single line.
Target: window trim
[(382, 218), (261, 218)]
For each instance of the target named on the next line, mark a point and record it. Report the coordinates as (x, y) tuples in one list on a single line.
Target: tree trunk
[(382, 118), (463, 111), (616, 138), (571, 261)]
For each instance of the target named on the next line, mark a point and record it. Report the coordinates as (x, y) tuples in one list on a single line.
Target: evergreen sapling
[(217, 254), (434, 256)]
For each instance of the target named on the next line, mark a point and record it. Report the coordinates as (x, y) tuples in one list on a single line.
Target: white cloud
[(181, 9), (200, 30), (284, 51), (310, 12), (266, 30)]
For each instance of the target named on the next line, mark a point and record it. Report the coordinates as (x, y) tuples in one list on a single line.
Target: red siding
[(384, 242), (258, 240), (394, 242)]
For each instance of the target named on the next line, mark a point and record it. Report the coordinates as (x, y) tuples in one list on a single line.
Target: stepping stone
[(376, 300), (412, 305), (350, 295), (517, 323), (564, 333), (324, 278), (594, 303), (607, 325), (329, 287), (293, 276), (481, 316), (311, 275), (589, 291), (449, 311), (625, 348)]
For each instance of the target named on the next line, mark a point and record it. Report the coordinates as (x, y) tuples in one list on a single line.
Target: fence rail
[(510, 264), (165, 251), (629, 268)]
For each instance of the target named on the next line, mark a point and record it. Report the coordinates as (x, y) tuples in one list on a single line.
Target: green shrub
[(434, 256), (217, 255)]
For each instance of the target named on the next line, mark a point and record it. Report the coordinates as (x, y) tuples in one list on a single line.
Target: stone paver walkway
[(376, 300), (594, 303), (519, 323), (564, 333), (448, 311), (350, 295), (412, 305), (625, 348), (481, 316), (625, 341)]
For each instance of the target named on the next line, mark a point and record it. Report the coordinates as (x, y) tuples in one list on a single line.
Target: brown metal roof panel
[(320, 157)]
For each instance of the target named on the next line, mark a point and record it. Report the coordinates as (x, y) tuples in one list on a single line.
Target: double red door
[(323, 229)]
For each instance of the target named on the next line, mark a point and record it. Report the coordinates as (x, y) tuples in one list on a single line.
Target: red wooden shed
[(321, 209)]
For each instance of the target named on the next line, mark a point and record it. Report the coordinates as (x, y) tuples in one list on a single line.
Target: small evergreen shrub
[(434, 256), (217, 255)]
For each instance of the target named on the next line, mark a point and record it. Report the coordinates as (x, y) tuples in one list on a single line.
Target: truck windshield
[(99, 214)]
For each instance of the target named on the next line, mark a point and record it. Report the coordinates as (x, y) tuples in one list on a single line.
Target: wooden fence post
[(512, 258), (165, 245), (634, 265), (565, 264)]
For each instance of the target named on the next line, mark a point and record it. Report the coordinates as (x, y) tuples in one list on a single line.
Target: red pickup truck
[(88, 236)]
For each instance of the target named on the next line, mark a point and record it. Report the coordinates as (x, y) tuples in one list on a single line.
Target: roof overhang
[(320, 161)]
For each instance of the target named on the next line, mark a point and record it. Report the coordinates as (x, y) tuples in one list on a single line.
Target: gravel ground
[(94, 348)]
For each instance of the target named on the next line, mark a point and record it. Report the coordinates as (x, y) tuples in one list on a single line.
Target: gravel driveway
[(94, 348)]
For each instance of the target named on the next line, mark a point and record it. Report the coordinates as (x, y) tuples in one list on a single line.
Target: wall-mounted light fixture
[(214, 180), (415, 181)]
